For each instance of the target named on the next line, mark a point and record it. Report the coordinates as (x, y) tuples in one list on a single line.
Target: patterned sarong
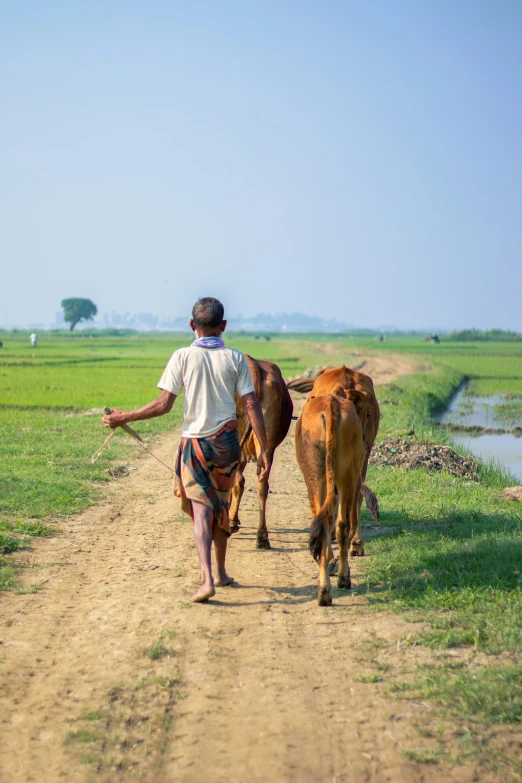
[(205, 471)]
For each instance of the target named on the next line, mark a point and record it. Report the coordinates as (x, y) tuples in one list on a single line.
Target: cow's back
[(274, 397), (332, 377), (311, 435)]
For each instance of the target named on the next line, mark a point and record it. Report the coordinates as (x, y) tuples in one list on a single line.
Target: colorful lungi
[(205, 471)]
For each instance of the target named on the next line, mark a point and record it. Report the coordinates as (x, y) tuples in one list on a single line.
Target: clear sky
[(355, 160)]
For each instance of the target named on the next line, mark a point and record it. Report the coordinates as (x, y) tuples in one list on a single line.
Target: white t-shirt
[(211, 377)]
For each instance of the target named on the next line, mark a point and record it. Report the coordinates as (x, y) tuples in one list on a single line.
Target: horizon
[(282, 324)]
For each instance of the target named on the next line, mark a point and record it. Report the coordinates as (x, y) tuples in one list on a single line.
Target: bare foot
[(204, 593), (225, 581)]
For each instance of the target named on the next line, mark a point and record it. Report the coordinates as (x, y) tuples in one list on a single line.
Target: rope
[(292, 562), (143, 446), (97, 454), (106, 442)]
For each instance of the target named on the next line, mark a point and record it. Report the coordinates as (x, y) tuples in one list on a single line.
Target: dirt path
[(260, 684)]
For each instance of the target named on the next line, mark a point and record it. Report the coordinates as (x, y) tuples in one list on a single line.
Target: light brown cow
[(272, 393), (330, 451), (329, 381)]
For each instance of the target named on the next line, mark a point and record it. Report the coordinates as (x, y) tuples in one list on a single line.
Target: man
[(209, 452)]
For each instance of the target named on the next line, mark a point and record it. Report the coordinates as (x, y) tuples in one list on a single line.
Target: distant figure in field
[(34, 340)]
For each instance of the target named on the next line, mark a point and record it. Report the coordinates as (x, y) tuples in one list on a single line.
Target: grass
[(159, 650), (369, 678), (456, 553), (129, 734), (453, 560), (458, 569), (45, 440), (510, 411), (8, 574), (492, 694), (425, 755)]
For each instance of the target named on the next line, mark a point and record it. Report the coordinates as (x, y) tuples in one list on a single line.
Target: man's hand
[(163, 404), (115, 419), (255, 414), (262, 464)]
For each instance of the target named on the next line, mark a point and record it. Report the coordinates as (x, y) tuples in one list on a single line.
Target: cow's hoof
[(357, 549), (263, 543), (332, 566), (234, 526), (344, 583), (324, 598)]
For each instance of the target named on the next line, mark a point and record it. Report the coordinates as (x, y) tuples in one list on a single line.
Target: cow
[(330, 448), (329, 381), (272, 393)]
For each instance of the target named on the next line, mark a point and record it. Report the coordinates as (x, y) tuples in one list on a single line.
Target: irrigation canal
[(467, 411)]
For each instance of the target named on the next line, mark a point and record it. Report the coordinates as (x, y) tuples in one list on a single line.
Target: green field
[(454, 556), (47, 436)]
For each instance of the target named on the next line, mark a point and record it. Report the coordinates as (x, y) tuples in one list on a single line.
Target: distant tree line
[(491, 335)]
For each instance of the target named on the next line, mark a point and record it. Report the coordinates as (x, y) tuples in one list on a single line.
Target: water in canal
[(503, 448)]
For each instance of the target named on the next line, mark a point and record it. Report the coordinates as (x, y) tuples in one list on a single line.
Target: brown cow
[(329, 381), (330, 451), (277, 408)]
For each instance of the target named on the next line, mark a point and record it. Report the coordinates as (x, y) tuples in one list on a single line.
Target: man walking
[(209, 453)]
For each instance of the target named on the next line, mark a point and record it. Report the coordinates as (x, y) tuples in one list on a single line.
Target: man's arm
[(255, 414), (158, 407)]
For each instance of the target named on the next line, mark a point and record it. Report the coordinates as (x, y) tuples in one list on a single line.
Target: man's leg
[(220, 549), (203, 516)]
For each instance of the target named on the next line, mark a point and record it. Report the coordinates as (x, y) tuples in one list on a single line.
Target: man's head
[(207, 317)]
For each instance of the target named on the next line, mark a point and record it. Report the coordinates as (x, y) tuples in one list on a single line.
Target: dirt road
[(109, 674)]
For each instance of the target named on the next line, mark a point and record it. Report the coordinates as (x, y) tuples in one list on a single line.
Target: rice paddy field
[(452, 553)]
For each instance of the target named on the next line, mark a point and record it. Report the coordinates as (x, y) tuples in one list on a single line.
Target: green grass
[(132, 724), (369, 678), (492, 694), (453, 561), (418, 397), (425, 755), (510, 411), (159, 650), (8, 574)]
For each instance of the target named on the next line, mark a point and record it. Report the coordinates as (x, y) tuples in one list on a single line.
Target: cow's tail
[(372, 504), (320, 525)]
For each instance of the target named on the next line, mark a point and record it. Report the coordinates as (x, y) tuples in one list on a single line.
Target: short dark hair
[(207, 312)]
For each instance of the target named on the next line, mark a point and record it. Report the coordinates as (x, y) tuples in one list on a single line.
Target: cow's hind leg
[(262, 494), (354, 511), (333, 561), (235, 498), (357, 546), (324, 591), (344, 581)]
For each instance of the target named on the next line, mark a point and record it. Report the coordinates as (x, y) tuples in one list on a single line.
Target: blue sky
[(353, 160)]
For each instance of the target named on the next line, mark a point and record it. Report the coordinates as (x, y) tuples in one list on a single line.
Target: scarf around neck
[(209, 342)]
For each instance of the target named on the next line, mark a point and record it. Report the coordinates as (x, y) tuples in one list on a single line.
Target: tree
[(76, 310)]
